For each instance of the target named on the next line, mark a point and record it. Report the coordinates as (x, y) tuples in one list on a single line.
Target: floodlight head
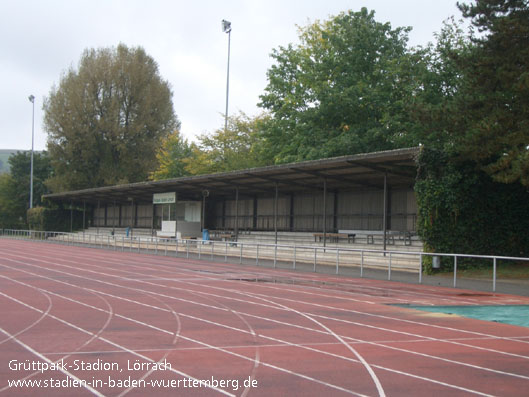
[(31, 98), (226, 26)]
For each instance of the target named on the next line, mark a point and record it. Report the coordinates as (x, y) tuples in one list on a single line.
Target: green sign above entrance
[(164, 198)]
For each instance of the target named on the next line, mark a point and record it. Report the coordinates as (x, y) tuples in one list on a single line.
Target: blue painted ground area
[(508, 314)]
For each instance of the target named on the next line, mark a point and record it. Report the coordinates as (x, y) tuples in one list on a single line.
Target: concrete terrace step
[(308, 239), (371, 257)]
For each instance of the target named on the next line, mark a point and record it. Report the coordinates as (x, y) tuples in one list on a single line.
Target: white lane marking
[(349, 338), (330, 385), (50, 362), (207, 321), (123, 348), (42, 316)]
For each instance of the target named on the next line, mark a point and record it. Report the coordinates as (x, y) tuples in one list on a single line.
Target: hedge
[(462, 210)]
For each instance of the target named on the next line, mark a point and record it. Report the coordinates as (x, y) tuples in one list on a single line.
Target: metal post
[(420, 270), (203, 217), (226, 28), (455, 270), (257, 255), (84, 216), (362, 264), (494, 275), (275, 255), (324, 212), (294, 263), (385, 221), (337, 259), (275, 214), (236, 214), (32, 100), (71, 216), (315, 255), (98, 208), (131, 218), (389, 268), (152, 218)]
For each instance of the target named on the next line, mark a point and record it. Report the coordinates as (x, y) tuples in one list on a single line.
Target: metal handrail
[(112, 240)]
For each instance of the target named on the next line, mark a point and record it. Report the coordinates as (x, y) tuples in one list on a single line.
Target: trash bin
[(436, 262), (205, 234)]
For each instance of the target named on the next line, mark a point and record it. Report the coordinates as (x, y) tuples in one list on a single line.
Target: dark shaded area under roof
[(365, 171)]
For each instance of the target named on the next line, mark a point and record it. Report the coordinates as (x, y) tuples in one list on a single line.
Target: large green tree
[(434, 104), (107, 119), (494, 100), (175, 149), (15, 187), (238, 147), (342, 90)]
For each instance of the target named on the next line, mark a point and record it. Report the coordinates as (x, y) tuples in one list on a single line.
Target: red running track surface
[(82, 321)]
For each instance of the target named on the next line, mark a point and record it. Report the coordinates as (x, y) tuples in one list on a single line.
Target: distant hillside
[(4, 156)]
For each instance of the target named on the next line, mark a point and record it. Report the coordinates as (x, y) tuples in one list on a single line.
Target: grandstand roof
[(346, 172)]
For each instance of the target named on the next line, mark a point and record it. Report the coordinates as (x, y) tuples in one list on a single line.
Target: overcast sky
[(39, 40)]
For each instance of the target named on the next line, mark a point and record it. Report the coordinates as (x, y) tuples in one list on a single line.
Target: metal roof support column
[(71, 216), (237, 213), (385, 218), (324, 212), (114, 218), (175, 219), (131, 216), (205, 194), (275, 213), (291, 226), (84, 215), (98, 214), (136, 214), (152, 219), (254, 222), (335, 212), (224, 214)]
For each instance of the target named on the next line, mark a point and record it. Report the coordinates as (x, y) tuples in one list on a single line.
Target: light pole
[(32, 100), (226, 28)]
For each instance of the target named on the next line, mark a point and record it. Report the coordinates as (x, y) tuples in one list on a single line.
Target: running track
[(288, 333)]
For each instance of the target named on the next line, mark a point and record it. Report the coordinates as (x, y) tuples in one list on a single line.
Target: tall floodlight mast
[(32, 100), (226, 28)]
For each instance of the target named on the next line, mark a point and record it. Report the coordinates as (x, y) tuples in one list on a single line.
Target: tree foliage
[(342, 90), (175, 149), (11, 210), (107, 119), (238, 147), (15, 187), (494, 100), (462, 210), (434, 106)]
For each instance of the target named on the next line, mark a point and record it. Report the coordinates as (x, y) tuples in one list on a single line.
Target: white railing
[(259, 253)]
